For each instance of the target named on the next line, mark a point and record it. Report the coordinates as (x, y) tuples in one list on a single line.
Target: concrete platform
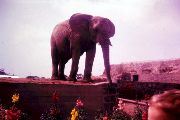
[(36, 95)]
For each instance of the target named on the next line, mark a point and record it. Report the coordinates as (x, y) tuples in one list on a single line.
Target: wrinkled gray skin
[(73, 37)]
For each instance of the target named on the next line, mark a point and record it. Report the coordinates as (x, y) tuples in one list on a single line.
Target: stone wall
[(139, 90), (36, 95)]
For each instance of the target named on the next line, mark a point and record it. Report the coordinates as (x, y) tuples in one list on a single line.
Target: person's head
[(165, 106)]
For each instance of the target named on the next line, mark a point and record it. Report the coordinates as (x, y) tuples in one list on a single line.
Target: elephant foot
[(62, 77), (72, 79), (88, 80), (54, 78)]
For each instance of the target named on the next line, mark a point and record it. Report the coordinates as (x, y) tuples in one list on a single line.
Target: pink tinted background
[(145, 30)]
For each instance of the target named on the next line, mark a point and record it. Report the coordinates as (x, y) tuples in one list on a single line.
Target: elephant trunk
[(105, 50)]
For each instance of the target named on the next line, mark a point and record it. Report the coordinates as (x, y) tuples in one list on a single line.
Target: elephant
[(79, 34)]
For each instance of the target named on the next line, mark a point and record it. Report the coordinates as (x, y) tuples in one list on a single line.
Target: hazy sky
[(145, 30)]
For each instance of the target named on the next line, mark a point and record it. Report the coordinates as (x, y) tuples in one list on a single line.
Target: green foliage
[(82, 115), (120, 115), (99, 115), (137, 113), (52, 114), (24, 116)]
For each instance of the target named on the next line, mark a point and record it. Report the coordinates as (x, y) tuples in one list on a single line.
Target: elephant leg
[(90, 54), (74, 66), (55, 62), (61, 71)]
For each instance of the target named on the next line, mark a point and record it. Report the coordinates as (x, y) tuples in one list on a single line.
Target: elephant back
[(61, 29), (80, 22)]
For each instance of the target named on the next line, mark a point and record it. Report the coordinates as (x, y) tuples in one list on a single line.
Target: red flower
[(105, 118), (79, 102), (12, 114)]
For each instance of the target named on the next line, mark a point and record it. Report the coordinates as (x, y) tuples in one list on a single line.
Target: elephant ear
[(104, 26), (80, 22)]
